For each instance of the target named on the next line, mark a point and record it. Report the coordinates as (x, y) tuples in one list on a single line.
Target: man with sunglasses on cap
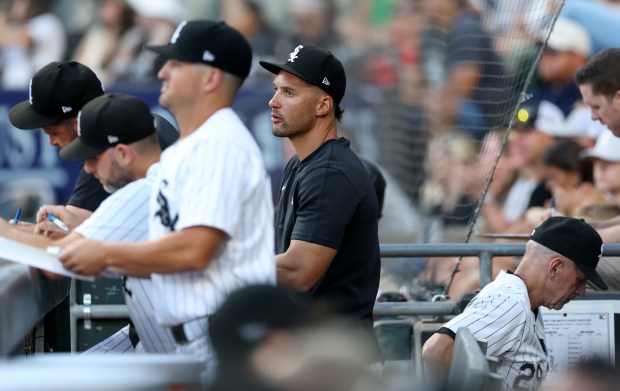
[(560, 256), (211, 206), (327, 216), (118, 144)]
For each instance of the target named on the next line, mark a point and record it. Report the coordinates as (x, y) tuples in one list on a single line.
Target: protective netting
[(446, 121)]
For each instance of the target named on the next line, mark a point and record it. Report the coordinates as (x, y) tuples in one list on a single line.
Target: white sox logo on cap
[(294, 53), (177, 32), (79, 128), (30, 92)]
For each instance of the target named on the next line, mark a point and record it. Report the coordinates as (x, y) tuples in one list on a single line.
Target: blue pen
[(58, 222), (552, 206), (17, 214)]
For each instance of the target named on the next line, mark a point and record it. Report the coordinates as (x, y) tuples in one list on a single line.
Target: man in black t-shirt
[(326, 220)]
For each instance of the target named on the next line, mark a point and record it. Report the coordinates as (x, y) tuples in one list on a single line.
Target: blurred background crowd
[(442, 94)]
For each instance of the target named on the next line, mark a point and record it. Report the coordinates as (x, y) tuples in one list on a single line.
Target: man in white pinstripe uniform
[(560, 256), (211, 209), (118, 143), (122, 150)]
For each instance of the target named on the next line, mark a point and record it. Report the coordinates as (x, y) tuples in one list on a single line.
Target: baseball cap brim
[(170, 51), (77, 151), (592, 276), (276, 68), (23, 116)]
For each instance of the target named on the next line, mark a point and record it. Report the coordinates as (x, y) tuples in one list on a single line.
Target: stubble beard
[(120, 178), (286, 130)]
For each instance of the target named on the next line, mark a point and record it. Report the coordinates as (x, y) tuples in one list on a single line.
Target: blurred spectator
[(247, 17), (567, 176), (158, 20), (393, 65), (362, 24), (534, 133), (505, 172), (110, 45), (31, 36), (563, 166), (313, 23), (467, 79), (606, 159), (567, 50), (450, 158)]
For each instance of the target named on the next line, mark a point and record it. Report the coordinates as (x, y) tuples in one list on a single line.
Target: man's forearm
[(184, 251), (23, 236)]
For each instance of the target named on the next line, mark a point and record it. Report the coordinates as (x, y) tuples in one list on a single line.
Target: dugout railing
[(25, 297)]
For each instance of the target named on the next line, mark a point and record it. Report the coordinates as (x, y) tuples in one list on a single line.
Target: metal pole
[(486, 268)]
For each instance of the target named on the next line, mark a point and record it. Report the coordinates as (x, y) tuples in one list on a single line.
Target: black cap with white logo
[(576, 240), (57, 91), (315, 65), (107, 121), (209, 42)]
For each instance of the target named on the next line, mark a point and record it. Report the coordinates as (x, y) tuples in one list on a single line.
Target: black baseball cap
[(315, 65), (209, 42), (576, 240), (249, 314), (107, 121), (57, 91)]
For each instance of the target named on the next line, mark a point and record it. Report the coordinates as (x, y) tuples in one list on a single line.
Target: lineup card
[(574, 337), (11, 250)]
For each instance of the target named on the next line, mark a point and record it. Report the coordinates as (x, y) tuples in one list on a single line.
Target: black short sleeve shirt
[(328, 199), (88, 192)]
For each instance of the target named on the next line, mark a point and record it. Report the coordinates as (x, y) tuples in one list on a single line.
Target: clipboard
[(26, 254)]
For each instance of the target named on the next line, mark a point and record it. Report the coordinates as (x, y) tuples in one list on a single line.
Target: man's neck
[(310, 141)]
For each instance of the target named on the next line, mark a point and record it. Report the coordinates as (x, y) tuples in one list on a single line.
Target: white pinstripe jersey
[(215, 177), (501, 314), (123, 217)]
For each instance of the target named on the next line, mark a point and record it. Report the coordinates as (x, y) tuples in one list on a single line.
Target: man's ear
[(212, 79), (324, 105), (554, 266), (123, 154)]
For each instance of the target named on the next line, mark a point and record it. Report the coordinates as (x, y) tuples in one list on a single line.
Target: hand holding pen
[(59, 223), (56, 219)]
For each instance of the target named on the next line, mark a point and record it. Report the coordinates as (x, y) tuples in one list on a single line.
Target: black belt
[(133, 335), (178, 332), (188, 331)]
